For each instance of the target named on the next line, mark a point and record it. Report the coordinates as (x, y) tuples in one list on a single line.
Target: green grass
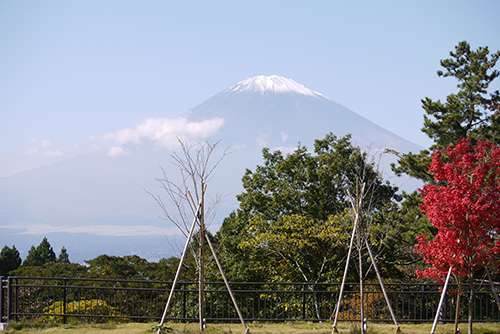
[(255, 328)]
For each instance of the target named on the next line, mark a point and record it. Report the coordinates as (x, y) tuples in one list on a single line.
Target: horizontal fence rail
[(64, 299)]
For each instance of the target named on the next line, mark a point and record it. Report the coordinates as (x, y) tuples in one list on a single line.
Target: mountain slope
[(274, 111), (102, 197)]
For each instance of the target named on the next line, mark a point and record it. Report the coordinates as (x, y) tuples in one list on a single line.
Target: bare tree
[(196, 167), (362, 192)]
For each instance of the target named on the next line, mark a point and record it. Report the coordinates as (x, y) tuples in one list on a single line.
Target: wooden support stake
[(160, 326), (445, 288), (227, 284)]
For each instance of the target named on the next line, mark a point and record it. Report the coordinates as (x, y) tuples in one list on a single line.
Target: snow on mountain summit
[(272, 84)]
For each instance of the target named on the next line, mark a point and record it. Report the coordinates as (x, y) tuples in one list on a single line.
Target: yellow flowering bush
[(83, 307)]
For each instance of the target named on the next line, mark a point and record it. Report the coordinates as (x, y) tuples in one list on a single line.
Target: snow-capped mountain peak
[(272, 84)]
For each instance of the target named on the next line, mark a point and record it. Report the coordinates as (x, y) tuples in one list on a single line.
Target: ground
[(255, 328)]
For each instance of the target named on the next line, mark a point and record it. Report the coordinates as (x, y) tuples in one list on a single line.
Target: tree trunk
[(316, 302), (471, 302), (457, 311)]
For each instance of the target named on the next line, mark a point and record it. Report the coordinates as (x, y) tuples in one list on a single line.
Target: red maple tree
[(464, 206)]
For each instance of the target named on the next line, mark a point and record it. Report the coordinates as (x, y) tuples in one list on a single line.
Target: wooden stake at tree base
[(359, 231)]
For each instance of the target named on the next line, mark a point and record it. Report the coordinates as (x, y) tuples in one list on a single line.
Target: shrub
[(83, 307)]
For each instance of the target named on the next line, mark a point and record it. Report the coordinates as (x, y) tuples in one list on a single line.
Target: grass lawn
[(256, 328)]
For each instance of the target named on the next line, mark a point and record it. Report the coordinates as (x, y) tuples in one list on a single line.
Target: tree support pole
[(493, 288), (337, 308), (351, 244), (382, 286), (227, 284), (361, 234), (443, 294), (171, 294), (201, 293), (247, 330), (361, 287)]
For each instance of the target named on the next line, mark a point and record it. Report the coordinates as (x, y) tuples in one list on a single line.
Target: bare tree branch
[(196, 165)]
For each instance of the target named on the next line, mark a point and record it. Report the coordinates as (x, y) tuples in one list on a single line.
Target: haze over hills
[(96, 203)]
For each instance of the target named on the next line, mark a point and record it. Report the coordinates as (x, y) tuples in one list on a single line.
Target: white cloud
[(162, 132), (284, 136), (96, 229), (116, 150), (285, 149), (31, 151), (263, 139), (53, 154), (40, 147)]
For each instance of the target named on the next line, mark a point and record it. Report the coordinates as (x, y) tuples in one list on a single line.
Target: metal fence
[(64, 299)]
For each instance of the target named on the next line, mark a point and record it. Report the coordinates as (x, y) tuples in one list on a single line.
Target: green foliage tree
[(240, 264), (302, 247), (400, 244), (287, 202), (63, 256), (9, 260), (53, 269), (117, 267), (131, 267), (106, 267), (471, 112), (40, 255), (308, 184)]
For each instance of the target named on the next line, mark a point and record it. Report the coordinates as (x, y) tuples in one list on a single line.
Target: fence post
[(183, 302), (9, 298), (303, 302), (64, 301), (2, 301)]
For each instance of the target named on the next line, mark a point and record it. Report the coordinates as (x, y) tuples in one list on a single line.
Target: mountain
[(272, 110), (96, 203)]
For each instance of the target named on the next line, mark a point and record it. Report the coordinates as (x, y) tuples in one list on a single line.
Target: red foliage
[(464, 205)]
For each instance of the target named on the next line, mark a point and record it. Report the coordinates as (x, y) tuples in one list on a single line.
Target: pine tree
[(470, 112), (9, 260), (63, 256), (40, 255)]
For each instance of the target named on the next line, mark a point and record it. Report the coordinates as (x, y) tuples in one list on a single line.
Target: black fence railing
[(63, 299)]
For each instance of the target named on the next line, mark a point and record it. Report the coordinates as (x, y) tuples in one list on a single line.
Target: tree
[(400, 246), (9, 260), (188, 199), (465, 114), (308, 184), (53, 269), (464, 206), (291, 221), (40, 255), (63, 256), (304, 248), (471, 112), (106, 267), (240, 264), (116, 267)]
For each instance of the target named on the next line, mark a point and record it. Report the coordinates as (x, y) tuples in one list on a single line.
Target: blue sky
[(73, 70)]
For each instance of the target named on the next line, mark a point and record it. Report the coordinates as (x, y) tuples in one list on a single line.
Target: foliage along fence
[(64, 299)]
